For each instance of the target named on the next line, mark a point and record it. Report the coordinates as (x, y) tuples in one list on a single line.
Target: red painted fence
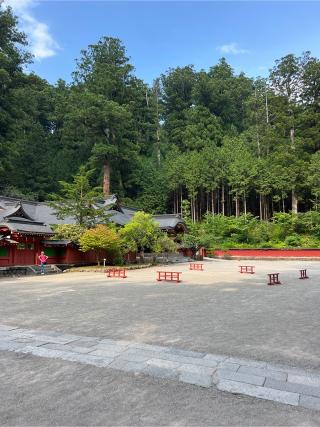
[(266, 253)]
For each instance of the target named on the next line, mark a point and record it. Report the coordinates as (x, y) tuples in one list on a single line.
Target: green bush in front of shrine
[(284, 230)]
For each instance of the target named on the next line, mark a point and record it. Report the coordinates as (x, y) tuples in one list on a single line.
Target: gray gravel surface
[(217, 311), (44, 392)]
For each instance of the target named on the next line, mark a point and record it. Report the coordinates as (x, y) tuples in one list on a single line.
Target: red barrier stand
[(274, 279), (249, 269), (195, 266), (116, 272), (303, 274), (169, 276)]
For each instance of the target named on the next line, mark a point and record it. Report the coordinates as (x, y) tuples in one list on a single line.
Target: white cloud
[(42, 43), (232, 48)]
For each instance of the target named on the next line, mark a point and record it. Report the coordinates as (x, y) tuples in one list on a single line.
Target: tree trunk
[(222, 200), (245, 205), (260, 207), (98, 257), (294, 203), (212, 201), (294, 207), (106, 178), (237, 206)]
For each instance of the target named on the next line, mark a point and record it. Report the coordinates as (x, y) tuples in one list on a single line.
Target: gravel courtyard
[(215, 311)]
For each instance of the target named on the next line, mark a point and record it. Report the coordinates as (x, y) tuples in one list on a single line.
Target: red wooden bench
[(303, 274), (169, 276), (116, 272), (195, 266), (249, 269), (274, 279)]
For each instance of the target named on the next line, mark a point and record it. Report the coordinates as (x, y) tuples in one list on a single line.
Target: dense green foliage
[(71, 232), (102, 240), (143, 233), (227, 143), (246, 231), (80, 201)]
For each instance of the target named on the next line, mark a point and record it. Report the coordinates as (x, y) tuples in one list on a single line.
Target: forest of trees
[(205, 141)]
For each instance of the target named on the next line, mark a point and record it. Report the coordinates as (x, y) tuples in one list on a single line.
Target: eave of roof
[(61, 242)]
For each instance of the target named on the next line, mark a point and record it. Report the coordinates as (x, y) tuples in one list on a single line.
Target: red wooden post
[(249, 269), (169, 276), (116, 272), (196, 266), (274, 279), (303, 274)]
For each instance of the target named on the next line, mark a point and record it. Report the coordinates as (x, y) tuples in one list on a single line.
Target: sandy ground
[(217, 311)]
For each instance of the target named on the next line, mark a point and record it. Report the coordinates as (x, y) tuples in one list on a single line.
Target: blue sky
[(159, 35)]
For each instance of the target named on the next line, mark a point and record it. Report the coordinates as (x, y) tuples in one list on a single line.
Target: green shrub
[(293, 240)]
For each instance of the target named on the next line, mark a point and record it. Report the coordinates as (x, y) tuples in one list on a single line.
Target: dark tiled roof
[(35, 217), (168, 221), (28, 228), (61, 242)]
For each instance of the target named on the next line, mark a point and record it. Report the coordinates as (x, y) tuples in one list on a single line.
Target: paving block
[(310, 402), (176, 358), (24, 340), (309, 379), (243, 378), (259, 392), (42, 352), (261, 372), (286, 369), (36, 343), (158, 372), (129, 357), (201, 380), (75, 349), (222, 374), (135, 367), (247, 362), (149, 347), (68, 356), (87, 359), (196, 369), (143, 353), (118, 364), (106, 343), (66, 347), (86, 342), (215, 357), (51, 346), (110, 352), (231, 367), (160, 363), (294, 387), (22, 334), (11, 345), (186, 353)]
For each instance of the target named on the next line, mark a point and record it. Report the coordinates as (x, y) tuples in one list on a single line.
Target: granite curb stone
[(259, 379)]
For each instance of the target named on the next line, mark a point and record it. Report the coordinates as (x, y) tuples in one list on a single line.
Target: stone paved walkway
[(253, 378)]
